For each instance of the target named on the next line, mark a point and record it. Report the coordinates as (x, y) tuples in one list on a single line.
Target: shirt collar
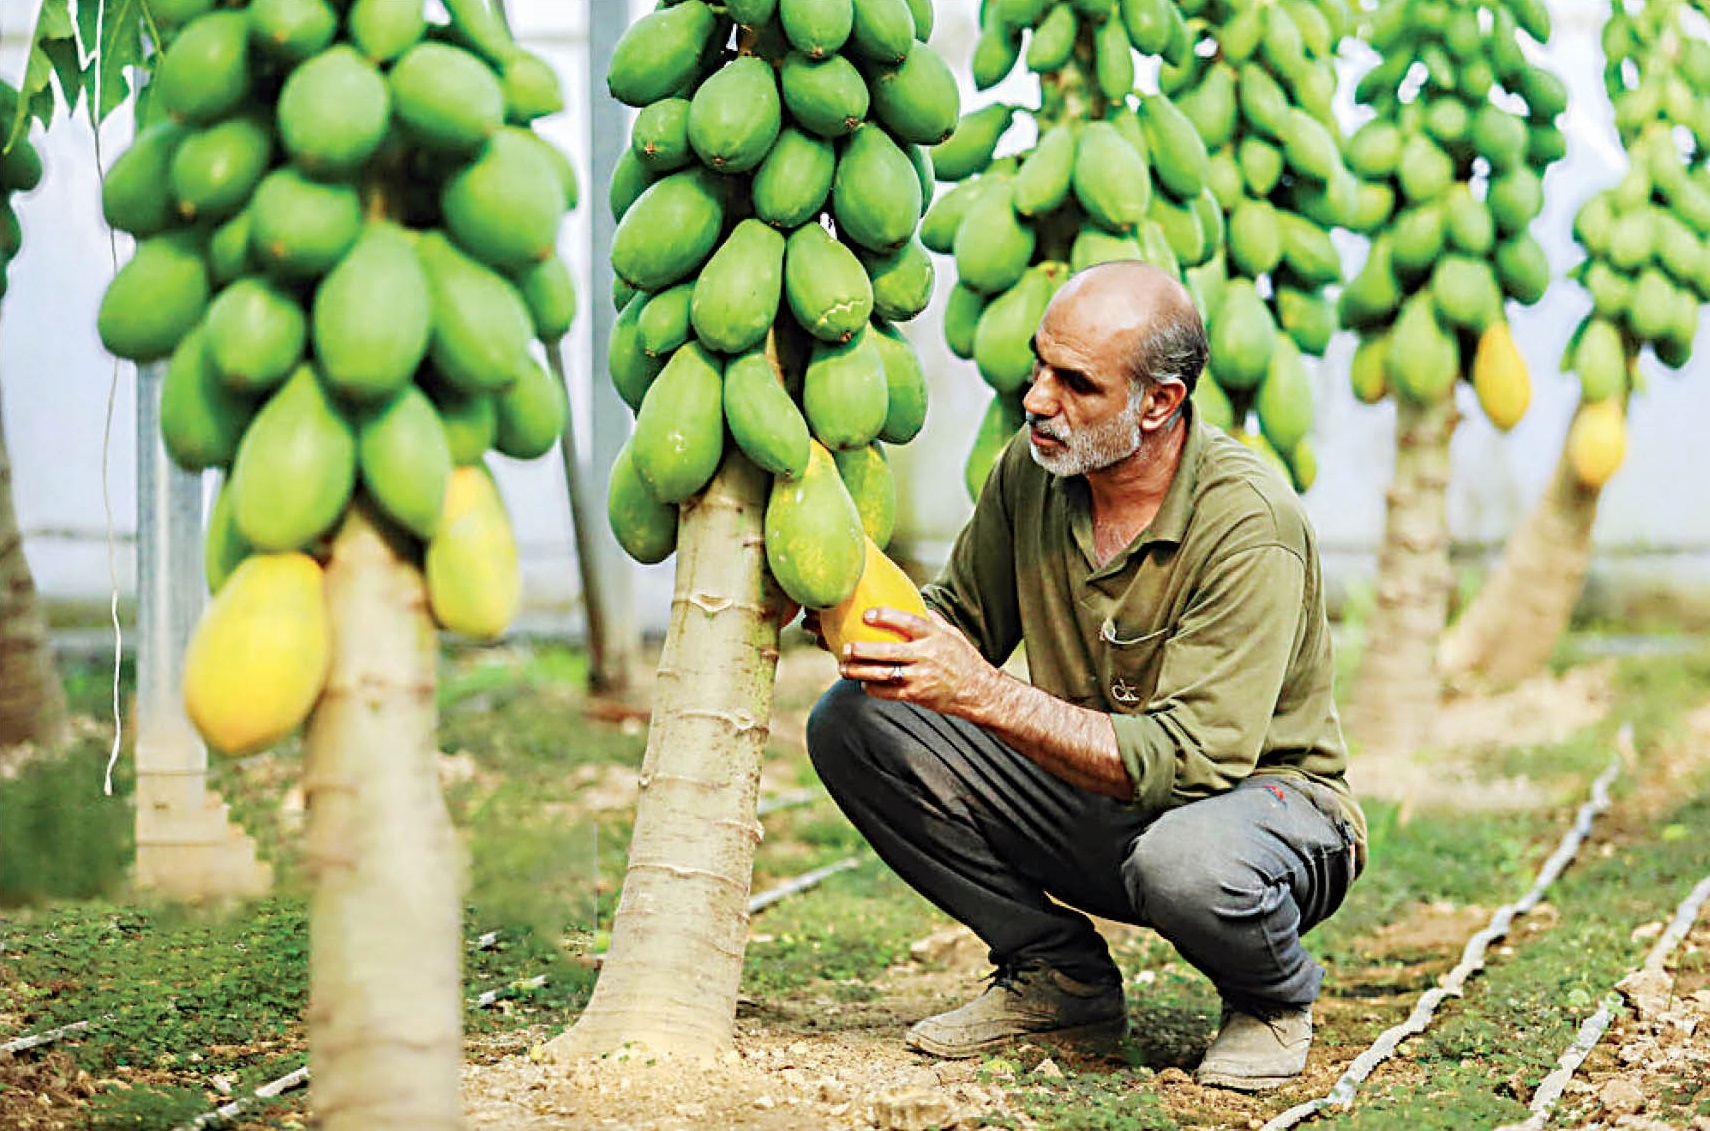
[(1170, 523)]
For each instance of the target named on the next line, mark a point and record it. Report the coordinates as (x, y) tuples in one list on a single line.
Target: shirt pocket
[(1131, 665)]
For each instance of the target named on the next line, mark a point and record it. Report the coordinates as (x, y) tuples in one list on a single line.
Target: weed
[(1090, 1101), (60, 837), (145, 1107)]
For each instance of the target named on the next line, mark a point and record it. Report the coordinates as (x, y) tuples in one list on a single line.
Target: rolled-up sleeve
[(1223, 667), (976, 591)]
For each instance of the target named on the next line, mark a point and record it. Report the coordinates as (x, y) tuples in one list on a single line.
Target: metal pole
[(611, 669)]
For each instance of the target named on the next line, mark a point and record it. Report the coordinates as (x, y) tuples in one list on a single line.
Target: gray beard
[(1091, 449)]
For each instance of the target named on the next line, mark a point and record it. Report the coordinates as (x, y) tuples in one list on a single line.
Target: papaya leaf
[(53, 51), (120, 46)]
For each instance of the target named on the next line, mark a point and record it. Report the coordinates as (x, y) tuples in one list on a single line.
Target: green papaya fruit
[(923, 172), (923, 15), (1368, 372), (1155, 247), (735, 115), (1110, 180), (1284, 400), (549, 292), (1261, 165), (645, 527), (1003, 417), (1308, 250), (828, 98), (371, 315), (404, 460), (1309, 148), (224, 549), (531, 88), (882, 31), (815, 543), (1255, 237), (1467, 223), (1611, 292), (1423, 361), (1306, 318), (333, 112), (1632, 239), (1188, 239), (817, 28), (679, 432), (1212, 405), (1374, 150), (664, 323), (136, 192), (531, 413), (1424, 171), (1499, 137), (228, 250), (1243, 336), (254, 335), (504, 207), (446, 98), (828, 290), (1113, 60), (1052, 43), (902, 281), (659, 137), (659, 53), (1224, 178), (631, 367), (215, 169), (1003, 339), (204, 74), (1263, 103), (470, 420), (298, 227), (962, 312), (736, 296), (1417, 238), (289, 30), (1094, 245), (1373, 294), (844, 392), (201, 420), (384, 29), (1651, 313), (996, 52), (905, 385), (669, 231), (917, 101), (969, 148), (1329, 204), (630, 178), (481, 327), (792, 182), (866, 474), (1211, 106), (1177, 151), (938, 226), (155, 298), (1449, 123), (1373, 207), (763, 417), (1600, 359), (992, 247), (295, 468), (1466, 293), (1042, 183), (875, 195)]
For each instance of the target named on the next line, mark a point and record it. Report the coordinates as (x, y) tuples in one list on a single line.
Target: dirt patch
[(43, 1092)]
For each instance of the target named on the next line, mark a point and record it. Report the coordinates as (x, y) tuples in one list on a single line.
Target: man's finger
[(909, 626)]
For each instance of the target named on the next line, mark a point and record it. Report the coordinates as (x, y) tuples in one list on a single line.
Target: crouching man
[(1176, 761)]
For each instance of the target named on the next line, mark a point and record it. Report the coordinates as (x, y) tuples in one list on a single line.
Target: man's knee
[(1176, 877), (839, 726)]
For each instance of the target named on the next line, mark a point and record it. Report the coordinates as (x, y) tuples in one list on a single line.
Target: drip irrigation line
[(32, 1040), (1472, 955), (220, 1115), (1591, 1030)]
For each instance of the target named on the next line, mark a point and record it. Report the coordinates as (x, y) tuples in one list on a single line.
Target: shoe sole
[(1099, 1033), (1242, 1083)]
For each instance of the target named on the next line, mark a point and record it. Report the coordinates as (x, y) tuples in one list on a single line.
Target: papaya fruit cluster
[(1260, 94), (1114, 174), (1646, 238), (346, 254), (1465, 175), (20, 171), (766, 248)]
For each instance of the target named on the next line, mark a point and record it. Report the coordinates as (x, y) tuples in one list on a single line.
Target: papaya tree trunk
[(32, 700), (670, 980), (385, 1009), (1397, 690), (1512, 625)]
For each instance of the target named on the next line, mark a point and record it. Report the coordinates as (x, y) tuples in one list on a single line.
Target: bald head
[(1143, 313)]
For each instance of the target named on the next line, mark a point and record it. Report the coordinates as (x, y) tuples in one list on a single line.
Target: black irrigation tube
[(300, 1076), (1591, 1030), (1472, 955)]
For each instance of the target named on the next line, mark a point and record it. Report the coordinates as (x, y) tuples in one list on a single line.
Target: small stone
[(1047, 1069), (765, 1103), (831, 1090), (1621, 1095), (912, 1110), (1648, 991), (1173, 1078), (692, 1111)]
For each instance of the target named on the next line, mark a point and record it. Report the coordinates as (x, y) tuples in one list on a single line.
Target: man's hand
[(933, 666)]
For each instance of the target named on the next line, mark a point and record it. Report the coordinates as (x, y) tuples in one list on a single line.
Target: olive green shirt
[(1205, 640)]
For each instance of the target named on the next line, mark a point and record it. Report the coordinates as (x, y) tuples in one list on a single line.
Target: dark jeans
[(1232, 881)]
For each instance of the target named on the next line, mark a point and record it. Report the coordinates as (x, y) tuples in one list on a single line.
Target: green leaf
[(121, 47), (53, 49)]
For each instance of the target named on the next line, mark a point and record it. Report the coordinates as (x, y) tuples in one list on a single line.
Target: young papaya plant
[(1647, 270)]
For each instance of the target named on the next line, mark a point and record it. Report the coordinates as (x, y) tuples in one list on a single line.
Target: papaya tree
[(1647, 270), (1260, 90), (32, 699), (768, 203), (1463, 133), (1113, 173), (346, 254)]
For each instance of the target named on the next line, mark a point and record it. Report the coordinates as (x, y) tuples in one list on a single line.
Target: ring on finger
[(896, 673)]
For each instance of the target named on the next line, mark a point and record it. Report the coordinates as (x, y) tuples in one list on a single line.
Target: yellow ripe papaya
[(1597, 442), (1500, 378), (883, 584), (473, 583), (259, 656)]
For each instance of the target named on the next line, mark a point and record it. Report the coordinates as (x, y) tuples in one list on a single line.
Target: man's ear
[(1163, 400)]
